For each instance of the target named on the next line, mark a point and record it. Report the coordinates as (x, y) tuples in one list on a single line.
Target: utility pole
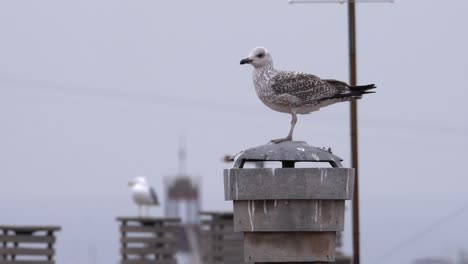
[(353, 110), (354, 130)]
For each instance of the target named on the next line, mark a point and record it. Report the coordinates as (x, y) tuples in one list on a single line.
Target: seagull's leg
[(147, 210), (139, 210), (291, 130), (293, 124)]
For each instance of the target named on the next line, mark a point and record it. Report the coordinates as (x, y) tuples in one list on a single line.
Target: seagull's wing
[(154, 197), (306, 87), (340, 85)]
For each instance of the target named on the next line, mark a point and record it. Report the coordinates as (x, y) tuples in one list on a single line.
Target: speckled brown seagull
[(296, 92)]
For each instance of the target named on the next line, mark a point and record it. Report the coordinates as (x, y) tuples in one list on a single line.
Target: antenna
[(182, 155), (92, 254)]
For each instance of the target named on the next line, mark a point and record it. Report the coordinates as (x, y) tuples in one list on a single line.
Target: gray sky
[(94, 93)]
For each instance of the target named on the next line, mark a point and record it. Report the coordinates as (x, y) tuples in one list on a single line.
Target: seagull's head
[(259, 57), (137, 180)]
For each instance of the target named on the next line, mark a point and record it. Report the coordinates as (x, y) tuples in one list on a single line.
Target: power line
[(186, 102), (422, 233), (151, 99)]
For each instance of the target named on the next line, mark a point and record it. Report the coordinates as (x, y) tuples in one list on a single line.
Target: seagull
[(296, 92), (143, 194)]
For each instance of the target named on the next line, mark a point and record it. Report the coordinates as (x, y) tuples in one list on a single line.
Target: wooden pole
[(354, 128)]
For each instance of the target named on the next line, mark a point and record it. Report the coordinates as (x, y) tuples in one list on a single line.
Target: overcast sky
[(94, 93)]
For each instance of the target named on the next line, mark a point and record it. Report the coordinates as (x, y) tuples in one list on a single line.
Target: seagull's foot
[(279, 140)]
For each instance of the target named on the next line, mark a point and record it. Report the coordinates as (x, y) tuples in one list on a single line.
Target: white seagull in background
[(296, 92), (143, 194)]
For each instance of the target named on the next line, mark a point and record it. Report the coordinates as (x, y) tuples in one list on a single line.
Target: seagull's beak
[(245, 61), (130, 183)]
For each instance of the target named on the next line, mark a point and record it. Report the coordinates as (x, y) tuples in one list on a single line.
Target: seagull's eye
[(261, 55)]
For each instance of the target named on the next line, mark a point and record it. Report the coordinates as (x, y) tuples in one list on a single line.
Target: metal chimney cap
[(294, 151)]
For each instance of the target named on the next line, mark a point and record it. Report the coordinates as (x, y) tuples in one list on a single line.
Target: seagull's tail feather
[(359, 90), (362, 88), (344, 88), (354, 92)]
